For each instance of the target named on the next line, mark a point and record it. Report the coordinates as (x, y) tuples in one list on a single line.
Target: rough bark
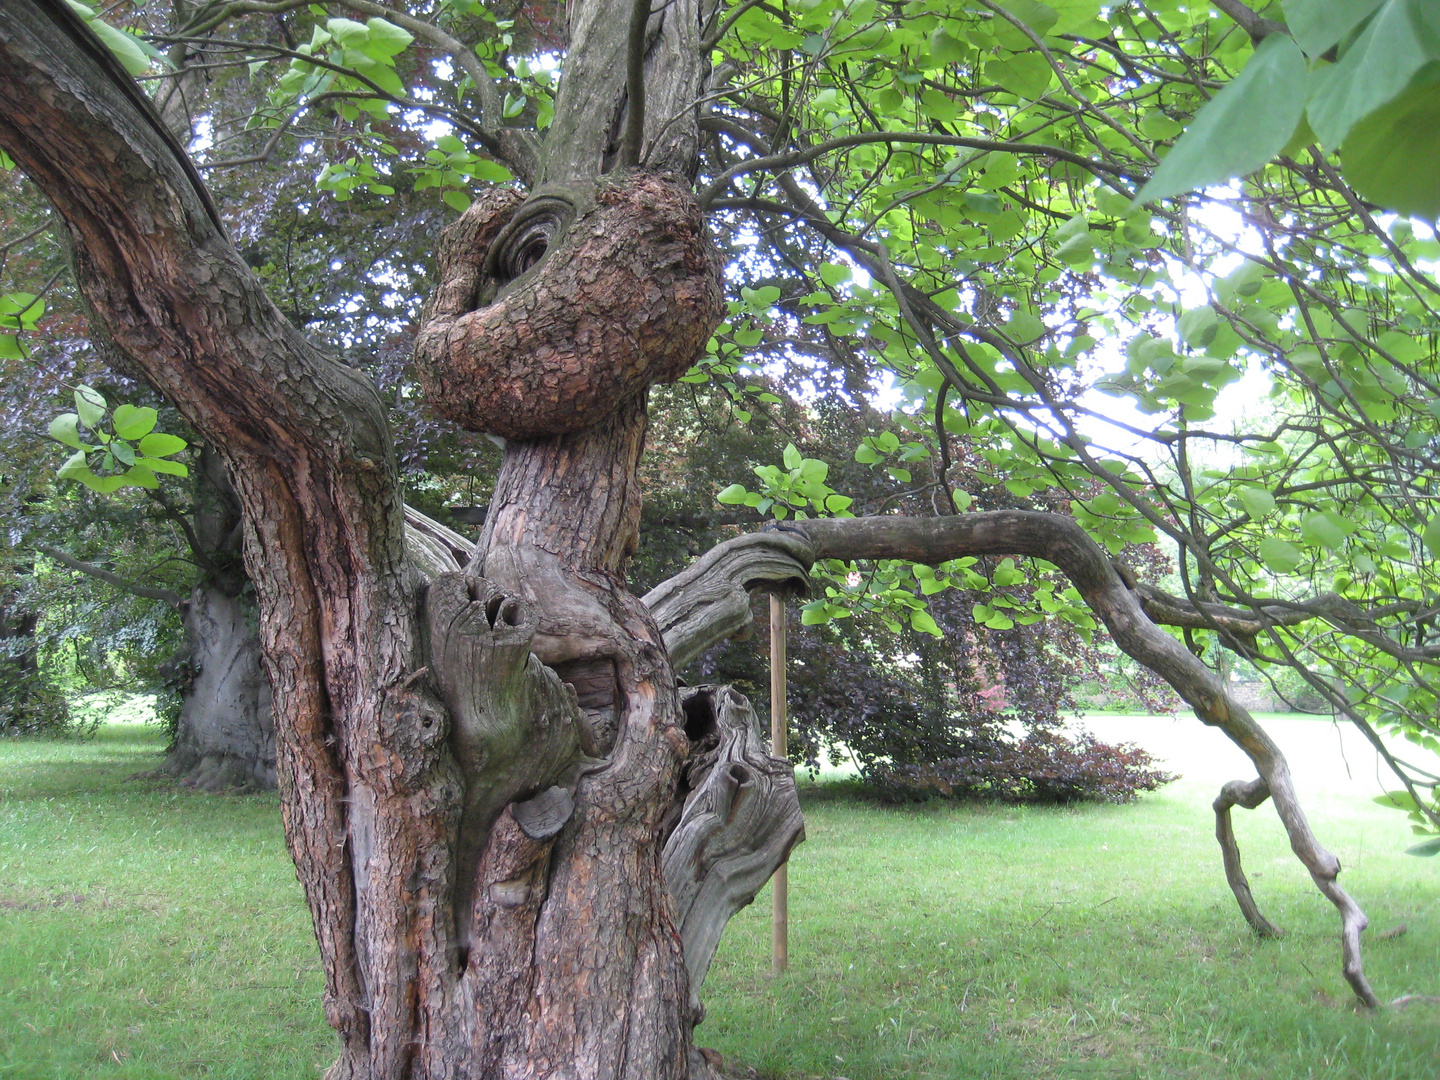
[(1063, 542), (305, 444), (710, 600)]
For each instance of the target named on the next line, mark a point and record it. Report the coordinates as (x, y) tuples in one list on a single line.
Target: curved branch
[(1248, 794), (1063, 542), (791, 158), (710, 600)]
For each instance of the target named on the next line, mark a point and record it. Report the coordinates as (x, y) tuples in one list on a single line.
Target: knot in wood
[(554, 311)]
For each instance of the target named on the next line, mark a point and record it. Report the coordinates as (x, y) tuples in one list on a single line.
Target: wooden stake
[(779, 884)]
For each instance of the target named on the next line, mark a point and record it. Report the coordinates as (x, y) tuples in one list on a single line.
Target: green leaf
[(125, 47), (732, 495), (1279, 555), (791, 457), (386, 39), (1198, 326), (20, 310), (1392, 156), (1319, 24), (815, 613), (1023, 327), (1257, 502), (140, 475), (133, 423), (159, 445), (944, 49), (90, 404), (1078, 251), (1431, 536), (1158, 127), (1028, 75), (73, 467), (1040, 17), (1429, 847), (1398, 800), (1322, 529), (921, 620), (1403, 38), (1242, 127), (456, 200), (64, 429), (348, 32), (123, 451), (165, 465)]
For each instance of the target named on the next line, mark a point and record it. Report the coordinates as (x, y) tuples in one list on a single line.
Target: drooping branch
[(1063, 542), (1248, 794)]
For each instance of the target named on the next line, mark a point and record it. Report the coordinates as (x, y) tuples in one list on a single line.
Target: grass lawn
[(148, 931)]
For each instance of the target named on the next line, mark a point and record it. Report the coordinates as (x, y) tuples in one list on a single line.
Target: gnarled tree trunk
[(225, 735), (478, 765)]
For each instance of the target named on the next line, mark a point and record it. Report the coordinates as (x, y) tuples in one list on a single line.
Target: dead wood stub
[(739, 817), (515, 727)]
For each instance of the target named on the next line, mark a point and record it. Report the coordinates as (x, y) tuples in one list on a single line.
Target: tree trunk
[(477, 768), (225, 737), (28, 703)]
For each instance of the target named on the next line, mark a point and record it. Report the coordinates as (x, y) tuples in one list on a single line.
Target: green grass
[(148, 931)]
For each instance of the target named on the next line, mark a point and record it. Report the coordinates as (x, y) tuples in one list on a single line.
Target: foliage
[(1361, 78), (127, 451)]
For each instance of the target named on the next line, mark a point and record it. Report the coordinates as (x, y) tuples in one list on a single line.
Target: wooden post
[(779, 884)]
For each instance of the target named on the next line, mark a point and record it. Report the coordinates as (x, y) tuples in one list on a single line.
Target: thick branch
[(738, 819), (1062, 541), (710, 600)]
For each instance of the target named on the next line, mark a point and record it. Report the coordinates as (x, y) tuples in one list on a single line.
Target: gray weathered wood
[(710, 600), (739, 821), (515, 727)]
